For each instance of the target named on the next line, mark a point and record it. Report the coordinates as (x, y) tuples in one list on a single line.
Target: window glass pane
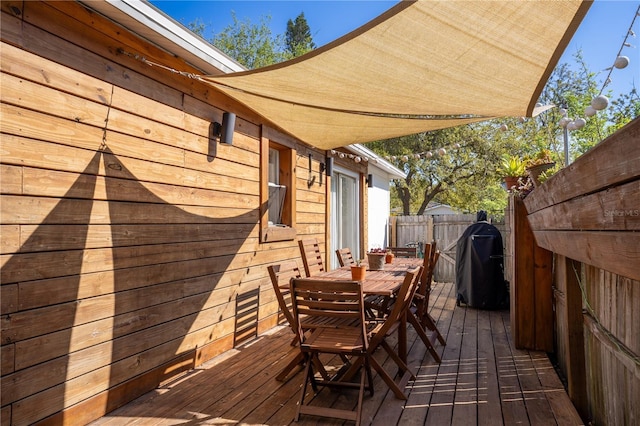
[(274, 166), (345, 218)]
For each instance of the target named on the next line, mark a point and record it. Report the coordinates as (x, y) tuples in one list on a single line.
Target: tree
[(440, 166), (255, 46), (298, 39)]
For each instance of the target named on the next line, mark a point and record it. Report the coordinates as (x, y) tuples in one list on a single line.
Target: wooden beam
[(613, 161), (617, 252), (614, 209)]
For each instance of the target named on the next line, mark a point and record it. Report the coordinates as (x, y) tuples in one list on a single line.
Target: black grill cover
[(479, 268)]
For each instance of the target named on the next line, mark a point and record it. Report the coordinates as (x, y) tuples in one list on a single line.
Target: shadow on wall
[(114, 285)]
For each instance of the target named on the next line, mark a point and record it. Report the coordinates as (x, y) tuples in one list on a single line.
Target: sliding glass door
[(345, 214)]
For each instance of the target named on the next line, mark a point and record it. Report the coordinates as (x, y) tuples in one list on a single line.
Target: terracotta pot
[(511, 181), (358, 272), (388, 258), (536, 171), (376, 261)]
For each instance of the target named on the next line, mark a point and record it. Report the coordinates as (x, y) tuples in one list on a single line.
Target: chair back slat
[(336, 304), (311, 256), (345, 257), (404, 251), (281, 274)]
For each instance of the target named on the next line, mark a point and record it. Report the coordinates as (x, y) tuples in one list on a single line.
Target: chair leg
[(431, 325), (307, 376), (425, 339), (363, 375)]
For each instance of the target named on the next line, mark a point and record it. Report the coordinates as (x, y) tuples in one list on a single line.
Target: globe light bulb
[(621, 62), (590, 111), (600, 102), (579, 123)]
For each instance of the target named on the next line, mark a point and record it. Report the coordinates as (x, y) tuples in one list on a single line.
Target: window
[(277, 194)]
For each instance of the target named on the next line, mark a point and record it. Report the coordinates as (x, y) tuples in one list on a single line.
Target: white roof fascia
[(376, 161), (162, 30)]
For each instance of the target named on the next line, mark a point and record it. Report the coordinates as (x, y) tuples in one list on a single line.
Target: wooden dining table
[(385, 282)]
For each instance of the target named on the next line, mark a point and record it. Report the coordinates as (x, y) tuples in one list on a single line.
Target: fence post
[(429, 229), (392, 232)]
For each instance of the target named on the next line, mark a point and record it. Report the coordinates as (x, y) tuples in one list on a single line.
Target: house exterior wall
[(130, 243), (379, 204)]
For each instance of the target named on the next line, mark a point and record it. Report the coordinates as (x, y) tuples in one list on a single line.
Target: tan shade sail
[(420, 66)]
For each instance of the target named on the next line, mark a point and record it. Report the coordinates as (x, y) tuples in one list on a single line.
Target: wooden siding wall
[(130, 237), (588, 215)]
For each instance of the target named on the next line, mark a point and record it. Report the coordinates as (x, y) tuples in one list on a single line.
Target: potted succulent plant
[(358, 270), (512, 168), (542, 162)]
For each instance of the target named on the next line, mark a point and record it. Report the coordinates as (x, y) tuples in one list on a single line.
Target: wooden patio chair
[(281, 275), (340, 305), (385, 327), (404, 251), (311, 256), (419, 316), (345, 257)]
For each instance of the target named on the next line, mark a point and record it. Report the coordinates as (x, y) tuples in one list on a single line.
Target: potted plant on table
[(389, 256), (376, 259), (512, 169), (358, 270)]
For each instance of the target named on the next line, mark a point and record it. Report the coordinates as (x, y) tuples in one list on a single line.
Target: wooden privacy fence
[(444, 229), (588, 215)]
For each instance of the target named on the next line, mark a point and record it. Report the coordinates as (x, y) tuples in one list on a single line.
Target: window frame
[(285, 231)]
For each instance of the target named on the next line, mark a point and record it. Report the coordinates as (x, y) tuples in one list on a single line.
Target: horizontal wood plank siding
[(130, 247)]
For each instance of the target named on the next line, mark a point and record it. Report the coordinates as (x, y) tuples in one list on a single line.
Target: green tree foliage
[(255, 46), (468, 162), (298, 39)]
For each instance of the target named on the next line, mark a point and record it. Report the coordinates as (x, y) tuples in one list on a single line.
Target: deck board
[(482, 380)]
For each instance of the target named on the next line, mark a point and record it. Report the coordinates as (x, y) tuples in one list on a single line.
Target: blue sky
[(600, 35)]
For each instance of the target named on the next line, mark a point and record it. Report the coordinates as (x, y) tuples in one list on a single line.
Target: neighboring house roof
[(151, 24), (440, 209)]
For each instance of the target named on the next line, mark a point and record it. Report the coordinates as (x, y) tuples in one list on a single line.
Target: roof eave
[(148, 22)]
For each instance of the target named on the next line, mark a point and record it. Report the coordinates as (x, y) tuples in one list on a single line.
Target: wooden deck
[(482, 380)]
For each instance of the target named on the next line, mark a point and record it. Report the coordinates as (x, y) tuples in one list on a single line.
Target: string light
[(600, 102), (621, 61)]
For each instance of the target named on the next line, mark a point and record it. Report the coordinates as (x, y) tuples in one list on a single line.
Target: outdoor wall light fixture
[(225, 130), (370, 180), (328, 165)]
